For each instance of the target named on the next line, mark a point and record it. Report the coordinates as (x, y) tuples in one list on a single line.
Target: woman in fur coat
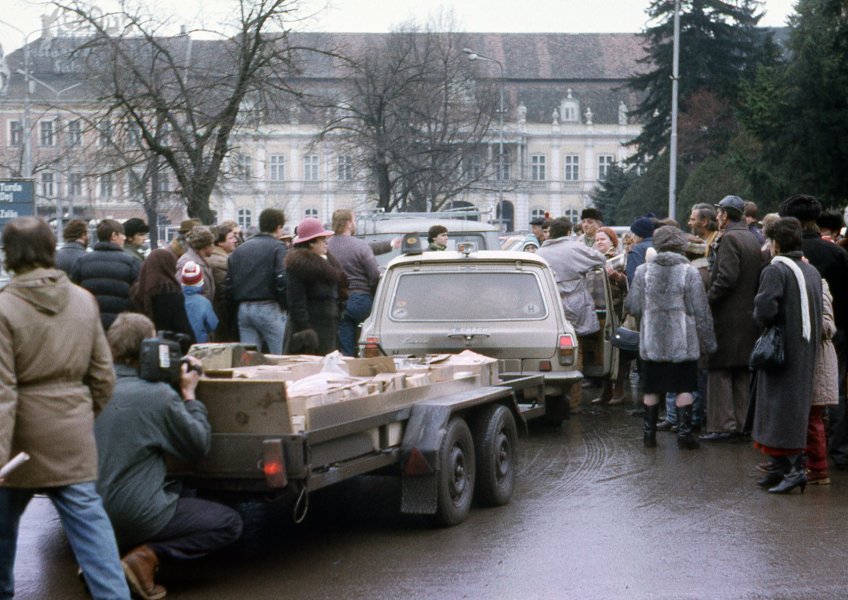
[(316, 286), (676, 326)]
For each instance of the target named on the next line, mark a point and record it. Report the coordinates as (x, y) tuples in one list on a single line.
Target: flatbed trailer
[(451, 443)]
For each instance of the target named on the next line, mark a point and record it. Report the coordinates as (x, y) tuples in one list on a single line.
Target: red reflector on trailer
[(544, 365), (416, 464), (273, 464)]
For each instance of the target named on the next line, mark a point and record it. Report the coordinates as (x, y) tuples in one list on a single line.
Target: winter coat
[(226, 329), (143, 423), (55, 375), (831, 261), (315, 287), (784, 395), (571, 261), (826, 377), (636, 256), (68, 255), (200, 314), (107, 273), (669, 298), (733, 285), (255, 270), (191, 254), (169, 313)]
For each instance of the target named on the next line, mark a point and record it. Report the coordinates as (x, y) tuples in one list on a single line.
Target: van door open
[(600, 357)]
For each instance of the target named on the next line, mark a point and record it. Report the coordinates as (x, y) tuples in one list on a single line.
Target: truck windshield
[(463, 296)]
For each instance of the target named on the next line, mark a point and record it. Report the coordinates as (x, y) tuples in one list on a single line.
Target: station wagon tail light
[(274, 464), (372, 347), (566, 349)]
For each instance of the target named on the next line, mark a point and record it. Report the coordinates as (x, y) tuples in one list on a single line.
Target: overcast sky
[(382, 15)]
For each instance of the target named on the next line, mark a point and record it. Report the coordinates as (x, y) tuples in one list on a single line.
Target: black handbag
[(626, 340), (768, 352)]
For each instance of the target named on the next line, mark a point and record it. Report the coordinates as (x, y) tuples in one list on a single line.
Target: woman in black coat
[(790, 295), (316, 288)]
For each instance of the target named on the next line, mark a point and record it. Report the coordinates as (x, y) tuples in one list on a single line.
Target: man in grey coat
[(733, 284), (571, 260)]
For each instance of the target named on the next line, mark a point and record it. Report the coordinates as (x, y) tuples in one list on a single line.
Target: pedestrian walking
[(675, 328), (789, 295), (75, 235), (50, 392), (198, 308)]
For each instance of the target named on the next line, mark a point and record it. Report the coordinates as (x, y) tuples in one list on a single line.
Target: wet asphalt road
[(594, 515)]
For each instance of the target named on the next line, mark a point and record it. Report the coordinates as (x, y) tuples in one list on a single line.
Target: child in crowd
[(199, 309)]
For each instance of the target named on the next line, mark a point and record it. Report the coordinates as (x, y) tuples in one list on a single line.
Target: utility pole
[(672, 148)]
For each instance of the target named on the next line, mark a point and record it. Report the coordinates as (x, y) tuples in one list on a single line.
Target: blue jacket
[(200, 314), (636, 257)]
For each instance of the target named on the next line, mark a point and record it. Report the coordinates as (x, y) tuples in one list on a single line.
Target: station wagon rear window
[(465, 296)]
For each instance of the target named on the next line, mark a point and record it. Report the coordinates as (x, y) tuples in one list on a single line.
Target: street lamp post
[(672, 150), (475, 56)]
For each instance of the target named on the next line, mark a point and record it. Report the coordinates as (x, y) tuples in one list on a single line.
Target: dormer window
[(570, 109)]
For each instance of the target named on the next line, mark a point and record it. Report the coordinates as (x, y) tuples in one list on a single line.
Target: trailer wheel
[(495, 440), (456, 474)]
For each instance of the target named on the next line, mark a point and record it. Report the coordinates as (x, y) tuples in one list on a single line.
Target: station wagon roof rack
[(455, 213)]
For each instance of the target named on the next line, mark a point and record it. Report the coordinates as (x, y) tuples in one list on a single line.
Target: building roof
[(539, 68)]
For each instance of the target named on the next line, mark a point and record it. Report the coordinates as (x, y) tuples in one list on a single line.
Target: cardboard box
[(245, 405), (369, 367)]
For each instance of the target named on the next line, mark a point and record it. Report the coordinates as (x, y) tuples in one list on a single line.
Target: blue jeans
[(89, 533), (357, 309), (262, 321)]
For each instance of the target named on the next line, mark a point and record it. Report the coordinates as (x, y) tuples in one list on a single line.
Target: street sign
[(17, 199)]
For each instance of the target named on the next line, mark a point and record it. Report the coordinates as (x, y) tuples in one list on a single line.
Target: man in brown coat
[(734, 280), (55, 375)]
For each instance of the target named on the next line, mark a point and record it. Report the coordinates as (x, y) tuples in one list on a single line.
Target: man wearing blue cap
[(734, 280)]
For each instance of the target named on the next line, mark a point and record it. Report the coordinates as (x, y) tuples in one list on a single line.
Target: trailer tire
[(456, 474), (495, 444)]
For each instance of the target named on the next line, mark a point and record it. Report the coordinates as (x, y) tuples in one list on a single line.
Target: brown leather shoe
[(140, 566)]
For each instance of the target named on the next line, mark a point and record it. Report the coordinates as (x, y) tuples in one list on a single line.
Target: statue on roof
[(622, 113), (588, 114), (522, 113), (555, 117)]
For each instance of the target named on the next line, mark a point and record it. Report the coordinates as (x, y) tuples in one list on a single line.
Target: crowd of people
[(700, 300), (98, 432)]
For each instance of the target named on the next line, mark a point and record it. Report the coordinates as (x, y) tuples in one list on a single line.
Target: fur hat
[(643, 227), (188, 225), (200, 237), (669, 238), (135, 226), (800, 206), (592, 213), (192, 276)]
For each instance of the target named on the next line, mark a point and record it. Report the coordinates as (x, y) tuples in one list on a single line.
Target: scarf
[(802, 286)]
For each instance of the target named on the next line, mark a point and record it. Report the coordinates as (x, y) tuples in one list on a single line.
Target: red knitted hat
[(192, 275)]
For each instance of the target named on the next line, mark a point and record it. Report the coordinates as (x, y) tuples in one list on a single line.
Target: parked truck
[(445, 425)]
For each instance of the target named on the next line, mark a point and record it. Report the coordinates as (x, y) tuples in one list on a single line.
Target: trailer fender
[(420, 456)]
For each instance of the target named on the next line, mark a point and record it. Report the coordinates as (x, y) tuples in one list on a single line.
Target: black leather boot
[(649, 425), (796, 477), (778, 467), (685, 439)]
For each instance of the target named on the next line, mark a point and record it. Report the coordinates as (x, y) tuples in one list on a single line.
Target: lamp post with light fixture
[(500, 172)]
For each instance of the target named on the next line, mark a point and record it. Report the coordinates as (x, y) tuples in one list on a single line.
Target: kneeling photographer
[(145, 420)]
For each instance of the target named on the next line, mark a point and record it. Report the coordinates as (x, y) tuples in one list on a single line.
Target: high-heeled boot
[(796, 477), (649, 425), (778, 467), (685, 439)]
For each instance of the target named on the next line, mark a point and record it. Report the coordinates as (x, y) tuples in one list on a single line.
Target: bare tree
[(414, 119), (180, 96)]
